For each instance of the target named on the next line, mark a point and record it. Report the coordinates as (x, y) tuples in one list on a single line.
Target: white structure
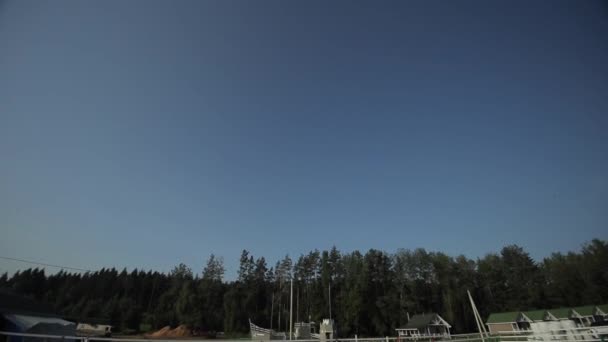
[(86, 329), (263, 334), (302, 331), (327, 330)]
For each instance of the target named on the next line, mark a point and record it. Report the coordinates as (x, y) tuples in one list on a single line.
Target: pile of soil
[(162, 332), (180, 331)]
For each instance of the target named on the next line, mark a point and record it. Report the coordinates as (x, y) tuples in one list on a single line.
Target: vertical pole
[(298, 304), (476, 318), (291, 310), (271, 309), (329, 300)]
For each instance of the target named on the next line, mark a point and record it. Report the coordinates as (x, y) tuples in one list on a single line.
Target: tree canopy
[(371, 293)]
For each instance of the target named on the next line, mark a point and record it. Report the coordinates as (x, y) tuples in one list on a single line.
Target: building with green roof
[(603, 311), (588, 314), (585, 311), (503, 321), (538, 315), (547, 320), (561, 313)]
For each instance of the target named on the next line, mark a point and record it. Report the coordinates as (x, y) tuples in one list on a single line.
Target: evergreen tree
[(371, 294)]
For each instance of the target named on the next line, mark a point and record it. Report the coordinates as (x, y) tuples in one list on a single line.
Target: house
[(547, 321), (603, 309), (588, 314), (24, 315), (540, 321), (425, 325), (563, 321), (561, 313), (503, 322)]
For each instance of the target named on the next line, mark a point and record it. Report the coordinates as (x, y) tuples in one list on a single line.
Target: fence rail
[(576, 335)]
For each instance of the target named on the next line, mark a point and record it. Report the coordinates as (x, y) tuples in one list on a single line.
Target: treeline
[(371, 293)]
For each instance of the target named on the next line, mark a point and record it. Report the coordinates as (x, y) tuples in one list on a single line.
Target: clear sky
[(144, 134)]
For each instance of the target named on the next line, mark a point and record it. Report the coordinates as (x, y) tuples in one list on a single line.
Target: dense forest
[(371, 293)]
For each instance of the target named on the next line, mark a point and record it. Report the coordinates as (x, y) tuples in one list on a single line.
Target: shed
[(425, 325)]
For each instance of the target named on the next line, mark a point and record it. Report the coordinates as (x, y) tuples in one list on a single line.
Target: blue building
[(24, 315)]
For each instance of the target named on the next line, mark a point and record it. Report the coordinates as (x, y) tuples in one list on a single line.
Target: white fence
[(593, 334)]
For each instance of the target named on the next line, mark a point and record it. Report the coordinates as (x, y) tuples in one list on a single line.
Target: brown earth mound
[(180, 331), (162, 332)]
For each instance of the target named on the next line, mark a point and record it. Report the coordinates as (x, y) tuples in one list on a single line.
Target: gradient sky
[(144, 134)]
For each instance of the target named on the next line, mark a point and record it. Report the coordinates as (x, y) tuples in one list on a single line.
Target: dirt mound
[(180, 331)]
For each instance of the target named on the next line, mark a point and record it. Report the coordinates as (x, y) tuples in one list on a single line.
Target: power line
[(45, 264)]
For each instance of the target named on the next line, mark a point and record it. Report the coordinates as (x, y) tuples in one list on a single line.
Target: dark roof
[(419, 321), (11, 303)]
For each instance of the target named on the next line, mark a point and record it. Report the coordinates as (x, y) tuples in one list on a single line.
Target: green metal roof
[(503, 317), (535, 315), (540, 315), (586, 310), (560, 313)]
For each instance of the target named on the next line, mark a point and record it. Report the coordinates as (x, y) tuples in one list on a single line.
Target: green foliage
[(371, 293)]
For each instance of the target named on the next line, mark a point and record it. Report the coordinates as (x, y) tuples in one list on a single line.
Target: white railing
[(572, 334), (592, 334)]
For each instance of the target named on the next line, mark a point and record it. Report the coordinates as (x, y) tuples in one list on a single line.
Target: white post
[(329, 292), (476, 316), (271, 309), (291, 310)]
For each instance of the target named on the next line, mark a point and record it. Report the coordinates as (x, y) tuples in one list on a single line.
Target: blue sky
[(144, 134)]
